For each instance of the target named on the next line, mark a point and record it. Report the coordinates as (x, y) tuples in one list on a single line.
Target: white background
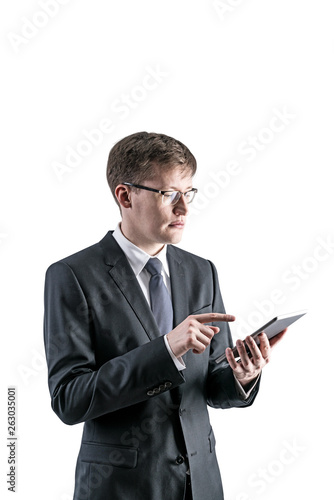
[(222, 77)]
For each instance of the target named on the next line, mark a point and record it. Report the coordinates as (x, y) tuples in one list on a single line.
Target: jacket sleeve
[(80, 390), (221, 386)]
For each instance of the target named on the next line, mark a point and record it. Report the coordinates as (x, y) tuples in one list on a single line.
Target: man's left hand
[(249, 366)]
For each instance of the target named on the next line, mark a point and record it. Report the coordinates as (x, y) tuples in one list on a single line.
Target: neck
[(151, 248)]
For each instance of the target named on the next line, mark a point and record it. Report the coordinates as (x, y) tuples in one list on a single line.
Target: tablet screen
[(272, 328)]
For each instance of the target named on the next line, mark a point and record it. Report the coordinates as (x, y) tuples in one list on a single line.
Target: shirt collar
[(136, 256)]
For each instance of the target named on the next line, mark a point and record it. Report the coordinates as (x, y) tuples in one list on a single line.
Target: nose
[(181, 207)]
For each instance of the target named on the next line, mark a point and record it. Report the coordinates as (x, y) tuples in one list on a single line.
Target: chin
[(176, 238), (172, 236)]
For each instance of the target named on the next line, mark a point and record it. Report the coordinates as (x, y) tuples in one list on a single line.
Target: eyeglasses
[(168, 197)]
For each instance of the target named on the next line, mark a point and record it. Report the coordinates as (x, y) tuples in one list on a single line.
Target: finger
[(199, 344), (204, 337), (244, 358), (209, 331), (256, 354), (264, 346), (213, 317), (231, 359)]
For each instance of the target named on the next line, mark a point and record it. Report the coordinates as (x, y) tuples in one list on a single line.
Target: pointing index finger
[(213, 317)]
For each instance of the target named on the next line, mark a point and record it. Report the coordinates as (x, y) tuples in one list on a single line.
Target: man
[(133, 326)]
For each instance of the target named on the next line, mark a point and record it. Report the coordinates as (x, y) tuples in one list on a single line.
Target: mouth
[(178, 224)]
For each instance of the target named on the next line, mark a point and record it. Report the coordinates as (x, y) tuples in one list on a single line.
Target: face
[(150, 224)]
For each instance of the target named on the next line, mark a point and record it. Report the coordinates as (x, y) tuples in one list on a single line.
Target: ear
[(123, 195)]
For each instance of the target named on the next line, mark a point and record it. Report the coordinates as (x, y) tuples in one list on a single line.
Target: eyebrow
[(176, 189)]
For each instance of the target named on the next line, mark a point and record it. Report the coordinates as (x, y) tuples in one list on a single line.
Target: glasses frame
[(193, 190)]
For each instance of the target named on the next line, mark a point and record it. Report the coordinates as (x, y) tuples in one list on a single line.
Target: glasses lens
[(171, 197), (189, 196)]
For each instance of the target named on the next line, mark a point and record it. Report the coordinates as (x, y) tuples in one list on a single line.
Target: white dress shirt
[(138, 259)]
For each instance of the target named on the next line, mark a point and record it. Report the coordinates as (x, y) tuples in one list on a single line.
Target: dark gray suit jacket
[(145, 422)]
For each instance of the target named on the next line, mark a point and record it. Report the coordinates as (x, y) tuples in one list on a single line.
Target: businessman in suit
[(133, 326)]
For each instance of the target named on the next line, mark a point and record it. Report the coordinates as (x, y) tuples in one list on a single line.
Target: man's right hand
[(193, 334)]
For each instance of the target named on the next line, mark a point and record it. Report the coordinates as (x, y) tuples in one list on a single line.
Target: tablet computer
[(271, 329)]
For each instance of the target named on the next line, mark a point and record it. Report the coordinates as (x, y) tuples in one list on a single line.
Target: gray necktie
[(161, 303)]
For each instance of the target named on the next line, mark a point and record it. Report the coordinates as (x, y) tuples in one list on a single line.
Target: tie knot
[(154, 266)]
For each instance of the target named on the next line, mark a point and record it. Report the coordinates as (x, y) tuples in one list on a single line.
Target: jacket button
[(150, 393), (179, 460), (168, 384)]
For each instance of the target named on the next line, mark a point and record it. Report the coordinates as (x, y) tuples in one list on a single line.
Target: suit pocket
[(106, 454), (212, 440), (203, 310)]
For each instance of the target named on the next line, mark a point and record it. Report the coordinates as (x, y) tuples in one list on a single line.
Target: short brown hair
[(136, 158)]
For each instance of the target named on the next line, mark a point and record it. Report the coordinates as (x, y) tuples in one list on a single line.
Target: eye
[(189, 195), (174, 195), (171, 197)]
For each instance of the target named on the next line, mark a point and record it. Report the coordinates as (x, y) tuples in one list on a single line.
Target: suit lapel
[(124, 278), (180, 303), (177, 279)]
